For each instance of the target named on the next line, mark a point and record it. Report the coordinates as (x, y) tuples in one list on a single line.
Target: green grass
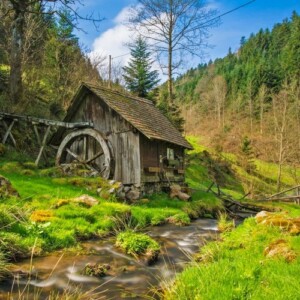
[(54, 226), (236, 268), (137, 244), (233, 269)]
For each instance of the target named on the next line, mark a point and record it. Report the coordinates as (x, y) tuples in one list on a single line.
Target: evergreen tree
[(138, 75)]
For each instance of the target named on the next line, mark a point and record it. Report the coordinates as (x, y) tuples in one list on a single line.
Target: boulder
[(292, 225), (96, 270), (280, 248), (175, 191), (86, 200), (133, 195), (6, 188)]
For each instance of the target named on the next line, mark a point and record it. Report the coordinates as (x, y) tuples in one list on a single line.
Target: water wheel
[(86, 147)]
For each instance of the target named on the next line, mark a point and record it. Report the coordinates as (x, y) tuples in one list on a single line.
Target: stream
[(127, 277)]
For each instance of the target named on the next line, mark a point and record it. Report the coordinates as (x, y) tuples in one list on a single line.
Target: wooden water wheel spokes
[(86, 147)]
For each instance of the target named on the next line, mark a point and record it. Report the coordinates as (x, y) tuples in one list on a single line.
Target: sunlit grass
[(237, 268)]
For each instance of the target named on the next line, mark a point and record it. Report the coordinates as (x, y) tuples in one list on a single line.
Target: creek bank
[(258, 259), (127, 277)]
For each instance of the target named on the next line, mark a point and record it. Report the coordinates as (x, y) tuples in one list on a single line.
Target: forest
[(251, 95), (219, 145)]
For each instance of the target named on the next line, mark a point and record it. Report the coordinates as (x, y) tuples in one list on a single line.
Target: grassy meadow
[(47, 217), (238, 265)]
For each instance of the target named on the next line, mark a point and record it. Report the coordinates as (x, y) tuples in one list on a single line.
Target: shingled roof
[(139, 112)]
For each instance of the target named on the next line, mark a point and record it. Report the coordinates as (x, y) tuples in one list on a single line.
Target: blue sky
[(112, 34)]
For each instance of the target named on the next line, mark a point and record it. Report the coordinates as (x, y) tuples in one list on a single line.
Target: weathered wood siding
[(121, 136), (153, 154)]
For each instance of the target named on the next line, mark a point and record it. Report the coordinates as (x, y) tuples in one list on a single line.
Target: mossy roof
[(139, 112)]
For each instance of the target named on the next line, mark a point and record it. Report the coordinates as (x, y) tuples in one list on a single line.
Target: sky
[(112, 35)]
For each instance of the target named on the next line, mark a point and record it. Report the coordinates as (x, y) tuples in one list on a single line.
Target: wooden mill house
[(129, 139)]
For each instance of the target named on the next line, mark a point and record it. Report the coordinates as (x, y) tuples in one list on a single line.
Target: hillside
[(252, 94)]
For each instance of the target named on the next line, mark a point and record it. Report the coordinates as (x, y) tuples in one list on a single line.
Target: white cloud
[(114, 41)]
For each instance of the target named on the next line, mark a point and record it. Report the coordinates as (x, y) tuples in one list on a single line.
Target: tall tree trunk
[(15, 83), (170, 79), (280, 162), (170, 58)]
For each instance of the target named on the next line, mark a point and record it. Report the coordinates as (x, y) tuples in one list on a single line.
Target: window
[(170, 154)]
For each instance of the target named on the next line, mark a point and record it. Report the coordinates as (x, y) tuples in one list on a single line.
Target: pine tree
[(138, 75)]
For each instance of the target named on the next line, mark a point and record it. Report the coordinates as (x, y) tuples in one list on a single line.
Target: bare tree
[(261, 97), (285, 107), (18, 10), (174, 28), (219, 91)]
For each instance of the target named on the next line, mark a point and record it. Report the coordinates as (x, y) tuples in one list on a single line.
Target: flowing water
[(127, 278)]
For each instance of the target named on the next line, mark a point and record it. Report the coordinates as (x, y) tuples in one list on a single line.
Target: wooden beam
[(153, 169), (43, 145), (81, 161), (285, 191), (46, 121)]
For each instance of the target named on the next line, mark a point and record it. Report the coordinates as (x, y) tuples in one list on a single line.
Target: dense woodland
[(53, 61), (250, 95)]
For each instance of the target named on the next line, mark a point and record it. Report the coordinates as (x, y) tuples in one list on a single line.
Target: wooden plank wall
[(120, 134), (151, 151)]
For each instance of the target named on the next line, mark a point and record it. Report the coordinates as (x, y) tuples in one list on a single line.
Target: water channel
[(127, 277)]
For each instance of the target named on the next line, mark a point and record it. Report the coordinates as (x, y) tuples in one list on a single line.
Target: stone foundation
[(133, 193)]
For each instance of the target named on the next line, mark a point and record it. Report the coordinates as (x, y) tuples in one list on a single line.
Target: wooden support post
[(209, 188), (8, 132), (39, 140), (43, 145)]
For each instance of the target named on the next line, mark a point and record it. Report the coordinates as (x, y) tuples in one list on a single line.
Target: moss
[(11, 167), (138, 244), (29, 165), (41, 216), (52, 172), (96, 270)]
